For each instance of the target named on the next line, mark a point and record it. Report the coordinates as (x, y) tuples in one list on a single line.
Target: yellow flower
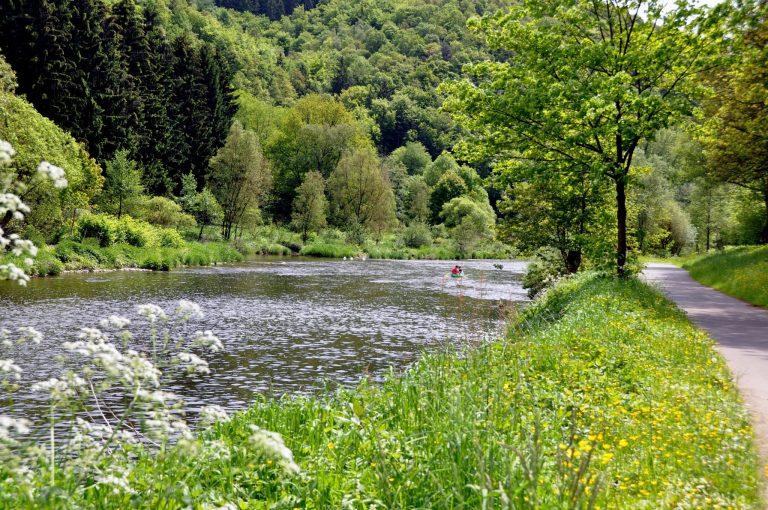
[(623, 443), (331, 445)]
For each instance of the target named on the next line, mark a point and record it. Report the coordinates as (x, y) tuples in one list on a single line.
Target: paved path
[(740, 329)]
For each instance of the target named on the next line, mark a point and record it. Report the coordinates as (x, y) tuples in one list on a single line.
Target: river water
[(287, 325)]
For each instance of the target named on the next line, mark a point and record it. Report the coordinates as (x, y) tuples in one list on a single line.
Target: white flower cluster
[(10, 203), (207, 340), (115, 322), (188, 310), (271, 445), (6, 152), (212, 414), (153, 313), (10, 426), (54, 173), (117, 480), (193, 363)]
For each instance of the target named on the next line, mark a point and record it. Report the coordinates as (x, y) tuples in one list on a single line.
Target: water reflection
[(287, 325)]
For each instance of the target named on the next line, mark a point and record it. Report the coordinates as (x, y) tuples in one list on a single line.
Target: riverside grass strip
[(739, 272), (602, 396)]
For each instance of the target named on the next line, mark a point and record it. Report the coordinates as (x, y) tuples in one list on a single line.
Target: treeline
[(274, 9), (110, 75)]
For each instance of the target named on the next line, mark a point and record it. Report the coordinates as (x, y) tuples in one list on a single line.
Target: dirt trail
[(740, 329)]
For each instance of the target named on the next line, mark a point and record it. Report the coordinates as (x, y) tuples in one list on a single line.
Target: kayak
[(457, 275)]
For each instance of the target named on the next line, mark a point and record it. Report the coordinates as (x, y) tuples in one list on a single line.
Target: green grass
[(74, 256), (603, 396), (740, 272)]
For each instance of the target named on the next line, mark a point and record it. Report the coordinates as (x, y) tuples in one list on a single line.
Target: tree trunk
[(573, 261), (200, 235), (621, 223)]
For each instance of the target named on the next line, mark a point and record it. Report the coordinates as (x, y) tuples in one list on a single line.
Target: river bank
[(602, 395)]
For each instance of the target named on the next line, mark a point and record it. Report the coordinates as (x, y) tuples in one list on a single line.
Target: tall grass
[(74, 256), (741, 272), (603, 396)]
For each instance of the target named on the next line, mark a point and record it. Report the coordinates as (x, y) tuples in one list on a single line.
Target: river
[(287, 325)]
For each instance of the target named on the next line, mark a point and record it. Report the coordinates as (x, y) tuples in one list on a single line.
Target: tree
[(562, 210), (239, 176), (468, 222), (449, 186), (202, 205), (737, 134), (310, 205), (583, 83), (123, 182), (361, 195)]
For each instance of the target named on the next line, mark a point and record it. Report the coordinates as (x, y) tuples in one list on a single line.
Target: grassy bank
[(603, 396), (740, 272), (74, 256)]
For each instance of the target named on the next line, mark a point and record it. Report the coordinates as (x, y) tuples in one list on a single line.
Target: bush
[(545, 269), (171, 238), (102, 227), (137, 233), (417, 235)]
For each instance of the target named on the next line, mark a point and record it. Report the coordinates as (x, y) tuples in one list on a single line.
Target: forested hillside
[(351, 115)]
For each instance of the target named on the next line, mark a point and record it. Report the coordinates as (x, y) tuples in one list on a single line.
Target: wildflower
[(6, 152), (152, 312), (53, 172), (188, 310), (208, 340), (212, 414), (115, 322), (7, 366), (8, 423), (271, 445), (194, 364), (117, 480)]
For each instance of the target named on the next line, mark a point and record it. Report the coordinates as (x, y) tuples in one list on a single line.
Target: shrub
[(102, 227), (137, 233), (171, 238), (417, 235), (545, 268)]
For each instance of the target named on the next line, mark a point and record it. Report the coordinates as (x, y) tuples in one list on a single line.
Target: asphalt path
[(740, 329)]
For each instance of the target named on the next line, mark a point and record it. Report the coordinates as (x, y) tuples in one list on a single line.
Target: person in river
[(456, 271)]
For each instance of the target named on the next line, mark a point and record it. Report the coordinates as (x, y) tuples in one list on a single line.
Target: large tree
[(240, 176), (737, 137), (579, 84)]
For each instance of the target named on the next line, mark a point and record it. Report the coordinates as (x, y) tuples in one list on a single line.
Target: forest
[(415, 123)]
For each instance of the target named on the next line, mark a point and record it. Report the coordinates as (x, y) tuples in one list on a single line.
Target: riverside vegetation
[(741, 272), (603, 395)]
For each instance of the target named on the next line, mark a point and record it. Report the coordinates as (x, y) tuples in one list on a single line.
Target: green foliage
[(736, 122), (37, 139), (543, 271), (360, 193), (8, 81), (580, 85), (416, 235), (604, 391), (239, 176), (414, 156), (108, 230), (448, 187), (165, 213), (329, 250), (123, 183), (469, 222), (741, 272), (310, 205)]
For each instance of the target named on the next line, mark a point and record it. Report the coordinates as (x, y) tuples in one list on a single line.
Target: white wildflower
[(207, 340), (117, 480), (188, 310), (194, 364), (152, 312), (212, 414), (29, 334), (225, 506), (92, 335), (7, 366), (54, 173), (115, 322), (10, 426), (271, 445), (13, 273), (62, 389), (6, 152)]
